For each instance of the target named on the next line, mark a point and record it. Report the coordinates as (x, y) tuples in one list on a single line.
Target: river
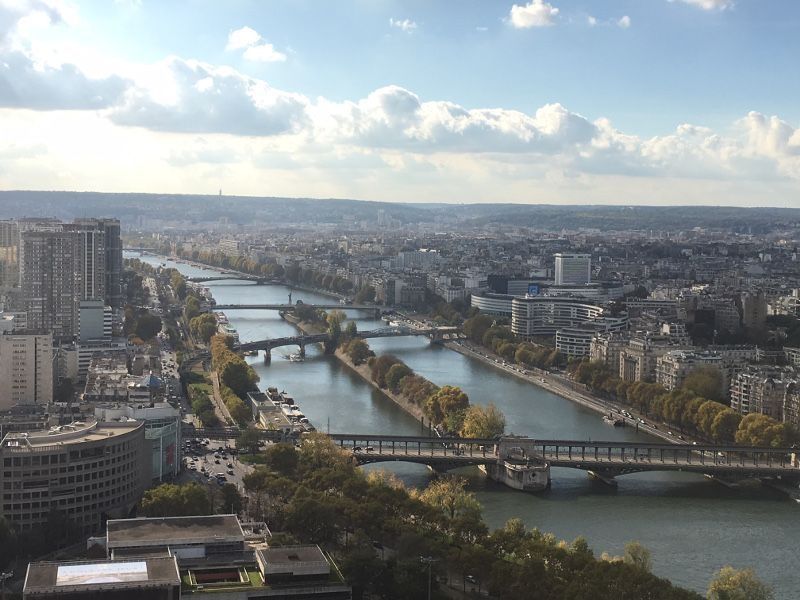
[(691, 525)]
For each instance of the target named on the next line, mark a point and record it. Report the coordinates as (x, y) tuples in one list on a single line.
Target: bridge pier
[(302, 345), (267, 357)]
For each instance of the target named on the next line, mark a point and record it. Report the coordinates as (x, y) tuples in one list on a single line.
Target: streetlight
[(4, 576), (428, 560)]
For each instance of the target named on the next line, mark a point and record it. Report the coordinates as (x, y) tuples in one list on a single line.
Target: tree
[(281, 458), (396, 374), (248, 440), (725, 425), (351, 330), (147, 326), (358, 351), (365, 294), (203, 326), (169, 500), (638, 556), (483, 422), (381, 367), (733, 584), (476, 327), (449, 494), (231, 502), (447, 406), (705, 382)]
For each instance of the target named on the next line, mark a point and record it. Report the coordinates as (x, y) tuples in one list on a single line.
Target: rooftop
[(49, 577), (173, 530), (75, 433)]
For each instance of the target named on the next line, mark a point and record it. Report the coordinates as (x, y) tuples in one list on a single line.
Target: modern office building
[(89, 471), (26, 368), (112, 250), (573, 269), (543, 316), (162, 424)]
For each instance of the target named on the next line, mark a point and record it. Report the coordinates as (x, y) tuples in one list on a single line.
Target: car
[(230, 471), (369, 449), (471, 579), (230, 465), (670, 433), (357, 448), (216, 461)]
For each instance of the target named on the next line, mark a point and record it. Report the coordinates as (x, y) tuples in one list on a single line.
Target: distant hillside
[(248, 209)]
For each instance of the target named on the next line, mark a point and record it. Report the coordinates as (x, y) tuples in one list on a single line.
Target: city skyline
[(564, 102)]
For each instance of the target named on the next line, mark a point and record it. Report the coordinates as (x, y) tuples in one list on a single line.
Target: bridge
[(603, 460), (234, 277), (435, 333), (140, 250), (288, 307)]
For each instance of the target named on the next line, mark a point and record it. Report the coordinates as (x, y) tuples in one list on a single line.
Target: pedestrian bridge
[(234, 277), (605, 460)]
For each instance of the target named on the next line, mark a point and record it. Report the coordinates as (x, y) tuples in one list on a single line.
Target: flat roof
[(74, 433), (293, 554), (161, 531), (51, 577)]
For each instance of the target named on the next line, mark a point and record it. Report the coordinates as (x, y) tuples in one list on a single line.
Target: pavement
[(207, 460)]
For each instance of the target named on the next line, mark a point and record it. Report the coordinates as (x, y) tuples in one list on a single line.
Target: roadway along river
[(691, 525)]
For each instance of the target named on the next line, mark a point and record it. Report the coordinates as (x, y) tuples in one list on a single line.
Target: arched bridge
[(435, 333), (289, 307), (605, 460)]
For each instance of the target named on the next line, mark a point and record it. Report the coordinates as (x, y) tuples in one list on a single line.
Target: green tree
[(733, 584), (248, 440), (170, 500), (147, 326), (381, 366), (358, 351), (365, 294), (725, 425), (638, 556), (395, 374), (351, 330), (231, 501), (449, 495), (476, 327), (706, 382), (282, 458), (483, 422)]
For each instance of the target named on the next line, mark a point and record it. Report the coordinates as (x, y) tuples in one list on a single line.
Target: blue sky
[(637, 101)]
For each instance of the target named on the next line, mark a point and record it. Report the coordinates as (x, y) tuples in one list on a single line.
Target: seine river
[(691, 525)]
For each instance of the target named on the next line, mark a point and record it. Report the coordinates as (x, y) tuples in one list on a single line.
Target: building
[(542, 316), (187, 538), (637, 361), (492, 304), (89, 471), (94, 320), (26, 368), (607, 346), (162, 427), (573, 269), (9, 254), (754, 309), (113, 257), (147, 578), (219, 557), (673, 367), (50, 267), (760, 390)]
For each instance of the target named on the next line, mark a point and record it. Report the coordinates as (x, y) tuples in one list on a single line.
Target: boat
[(524, 476), (296, 357), (615, 421)]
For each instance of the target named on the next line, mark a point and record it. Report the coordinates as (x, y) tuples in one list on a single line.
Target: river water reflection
[(691, 525)]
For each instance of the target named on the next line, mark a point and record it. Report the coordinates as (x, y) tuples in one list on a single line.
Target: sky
[(559, 102)]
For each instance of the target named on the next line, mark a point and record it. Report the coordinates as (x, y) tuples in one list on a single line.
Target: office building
[(537, 315), (113, 258), (89, 471), (573, 268)]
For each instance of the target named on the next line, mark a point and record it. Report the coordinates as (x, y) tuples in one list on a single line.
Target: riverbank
[(558, 386), (363, 371)]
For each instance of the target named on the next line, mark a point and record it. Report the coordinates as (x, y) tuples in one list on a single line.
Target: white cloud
[(255, 48), (203, 98), (537, 13), (406, 25), (264, 53), (709, 4), (243, 37), (591, 20), (624, 22)]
